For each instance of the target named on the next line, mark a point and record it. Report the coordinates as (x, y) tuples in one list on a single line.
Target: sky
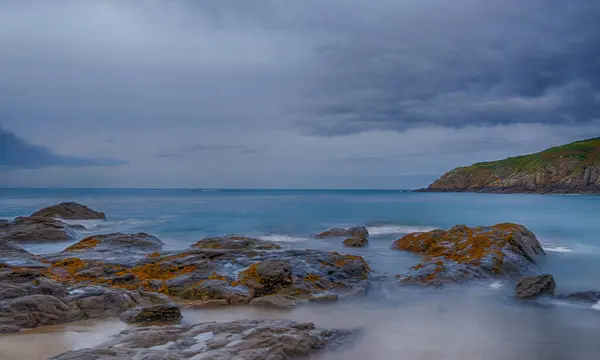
[(287, 93)]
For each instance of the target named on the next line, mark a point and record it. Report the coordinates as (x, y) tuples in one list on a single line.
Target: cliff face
[(569, 169)]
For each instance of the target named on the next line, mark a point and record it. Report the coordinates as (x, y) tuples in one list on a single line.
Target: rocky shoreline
[(131, 277)]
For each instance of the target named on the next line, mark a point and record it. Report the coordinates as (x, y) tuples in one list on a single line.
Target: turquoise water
[(568, 226), (466, 322)]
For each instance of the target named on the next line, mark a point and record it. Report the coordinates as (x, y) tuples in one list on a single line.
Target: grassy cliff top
[(587, 151)]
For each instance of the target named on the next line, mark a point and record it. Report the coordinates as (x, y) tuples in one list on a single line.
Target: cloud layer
[(15, 153), (295, 93)]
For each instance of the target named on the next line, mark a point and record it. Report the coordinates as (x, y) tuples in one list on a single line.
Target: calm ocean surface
[(462, 323)]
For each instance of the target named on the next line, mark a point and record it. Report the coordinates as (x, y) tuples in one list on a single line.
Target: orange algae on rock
[(83, 245), (312, 278), (215, 276), (469, 249)]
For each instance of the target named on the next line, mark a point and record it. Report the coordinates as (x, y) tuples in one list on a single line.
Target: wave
[(282, 238), (576, 248), (558, 249), (113, 225), (378, 230), (596, 306)]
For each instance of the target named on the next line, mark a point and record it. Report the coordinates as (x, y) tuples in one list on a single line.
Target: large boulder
[(36, 229), (470, 253), (234, 242), (240, 340), (152, 313), (357, 231), (534, 286), (69, 211)]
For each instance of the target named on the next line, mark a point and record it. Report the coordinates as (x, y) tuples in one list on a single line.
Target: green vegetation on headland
[(570, 168)]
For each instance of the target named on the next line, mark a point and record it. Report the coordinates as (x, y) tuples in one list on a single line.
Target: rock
[(152, 313), (357, 231), (356, 242), (235, 276), (13, 255), (583, 296), (233, 242), (268, 276), (69, 211), (36, 229), (120, 247), (101, 302), (208, 304), (274, 301), (25, 282), (218, 290), (34, 310), (323, 297), (570, 168), (239, 340), (463, 254), (532, 287)]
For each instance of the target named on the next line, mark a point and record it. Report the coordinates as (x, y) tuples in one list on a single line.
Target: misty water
[(478, 321)]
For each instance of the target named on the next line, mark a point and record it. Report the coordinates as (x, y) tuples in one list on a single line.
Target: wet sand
[(465, 326)]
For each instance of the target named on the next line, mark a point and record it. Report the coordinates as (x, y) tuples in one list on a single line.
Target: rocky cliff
[(568, 169)]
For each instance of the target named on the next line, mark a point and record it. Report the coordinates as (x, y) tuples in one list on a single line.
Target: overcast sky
[(288, 93)]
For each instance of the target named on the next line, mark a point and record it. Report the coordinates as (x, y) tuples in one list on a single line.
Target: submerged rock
[(240, 340), (356, 242), (274, 301), (153, 313), (357, 231), (463, 253), (233, 242), (532, 287), (36, 229), (69, 211), (13, 255), (583, 296)]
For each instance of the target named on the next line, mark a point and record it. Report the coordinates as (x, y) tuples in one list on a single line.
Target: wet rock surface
[(357, 231), (356, 242), (29, 299), (69, 211), (14, 255), (534, 286), (230, 275), (464, 254), (117, 247), (242, 340), (152, 313), (582, 296), (234, 242), (36, 229)]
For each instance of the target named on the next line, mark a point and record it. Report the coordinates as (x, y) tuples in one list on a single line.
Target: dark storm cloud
[(15, 153), (461, 63)]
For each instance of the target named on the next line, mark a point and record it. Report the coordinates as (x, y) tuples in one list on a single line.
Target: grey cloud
[(15, 153), (461, 63), (206, 148), (411, 87)]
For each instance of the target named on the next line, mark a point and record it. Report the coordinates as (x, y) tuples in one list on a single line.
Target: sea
[(479, 321)]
